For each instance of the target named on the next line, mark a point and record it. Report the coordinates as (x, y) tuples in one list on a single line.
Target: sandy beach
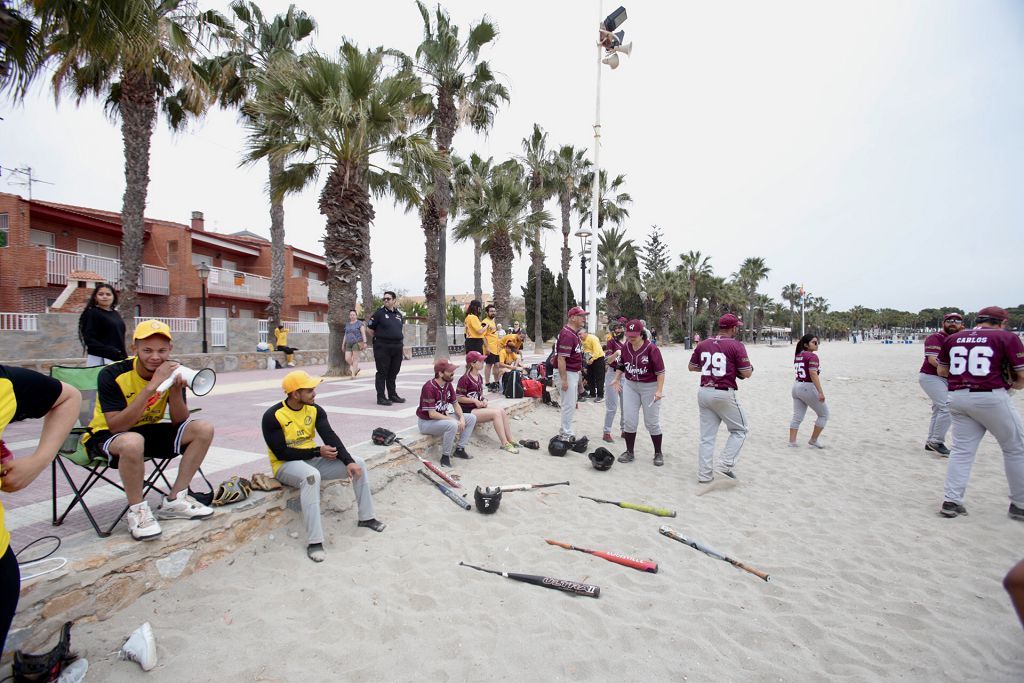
[(868, 581)]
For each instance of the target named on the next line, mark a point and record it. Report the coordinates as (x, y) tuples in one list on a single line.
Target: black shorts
[(475, 344), (492, 358), (163, 440)]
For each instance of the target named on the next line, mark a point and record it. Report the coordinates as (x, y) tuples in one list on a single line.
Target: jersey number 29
[(977, 361), (714, 364)]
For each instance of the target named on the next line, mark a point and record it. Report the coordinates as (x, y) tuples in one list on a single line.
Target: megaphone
[(624, 49), (199, 381), (611, 60)]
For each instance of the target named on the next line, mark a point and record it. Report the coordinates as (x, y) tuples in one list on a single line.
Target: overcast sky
[(872, 150)]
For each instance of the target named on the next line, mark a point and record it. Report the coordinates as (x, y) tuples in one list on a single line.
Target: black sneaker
[(951, 509), (383, 402), (460, 452), (446, 461), (626, 457), (1016, 513), (937, 447), (729, 473), (659, 460), (396, 399), (599, 399)]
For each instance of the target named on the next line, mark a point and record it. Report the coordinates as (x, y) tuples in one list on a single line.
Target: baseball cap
[(299, 379), (993, 313), (622, 319), (444, 365), (147, 328), (634, 328), (576, 310), (729, 320), (952, 316), (472, 357)]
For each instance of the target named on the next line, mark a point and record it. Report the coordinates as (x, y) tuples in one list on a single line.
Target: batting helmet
[(558, 447), (602, 459), (580, 445), (487, 499)]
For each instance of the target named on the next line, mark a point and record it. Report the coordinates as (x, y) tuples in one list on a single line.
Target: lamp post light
[(451, 305), (584, 235), (203, 269)]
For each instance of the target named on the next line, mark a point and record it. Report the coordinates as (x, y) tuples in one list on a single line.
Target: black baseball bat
[(455, 498), (545, 581)]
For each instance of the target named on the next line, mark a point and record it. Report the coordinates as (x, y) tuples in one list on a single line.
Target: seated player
[(470, 394), (441, 415)]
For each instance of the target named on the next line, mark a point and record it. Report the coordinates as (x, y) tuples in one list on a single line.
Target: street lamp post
[(204, 273), (584, 236), (451, 305)]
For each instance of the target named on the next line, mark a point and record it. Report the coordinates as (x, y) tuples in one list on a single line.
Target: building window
[(202, 258), (315, 277), (40, 238), (307, 316), (3, 229), (229, 265), (99, 249), (172, 252), (296, 271)]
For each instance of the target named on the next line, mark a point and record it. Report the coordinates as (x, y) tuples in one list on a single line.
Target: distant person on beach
[(720, 361), (387, 325), (935, 386), (440, 414), (101, 328), (612, 352), (981, 364), (290, 429), (354, 342), (127, 425), (281, 344), (28, 394), (470, 394), (569, 364), (807, 391), (492, 347), (474, 328), (643, 369)]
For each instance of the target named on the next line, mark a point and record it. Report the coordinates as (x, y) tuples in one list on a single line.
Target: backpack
[(512, 384)]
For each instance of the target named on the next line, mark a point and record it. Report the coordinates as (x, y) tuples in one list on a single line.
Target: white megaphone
[(611, 60), (199, 381)]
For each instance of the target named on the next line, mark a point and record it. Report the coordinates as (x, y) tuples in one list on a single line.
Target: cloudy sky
[(871, 150)]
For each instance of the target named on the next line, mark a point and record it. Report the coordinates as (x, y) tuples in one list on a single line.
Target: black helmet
[(580, 445), (602, 459), (487, 499), (558, 447)]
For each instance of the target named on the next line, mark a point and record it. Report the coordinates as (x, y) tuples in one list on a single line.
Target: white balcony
[(317, 291), (60, 263), (235, 283)]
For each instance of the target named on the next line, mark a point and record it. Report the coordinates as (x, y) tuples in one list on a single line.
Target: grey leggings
[(637, 396), (805, 395)]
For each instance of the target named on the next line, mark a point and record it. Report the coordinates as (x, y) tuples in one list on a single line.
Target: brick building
[(41, 243)]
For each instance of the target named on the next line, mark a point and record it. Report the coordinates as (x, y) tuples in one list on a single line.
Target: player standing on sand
[(936, 386), (975, 361), (568, 364), (720, 360), (642, 366), (807, 391)]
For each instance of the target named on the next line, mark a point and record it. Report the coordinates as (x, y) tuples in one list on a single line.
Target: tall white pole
[(595, 208)]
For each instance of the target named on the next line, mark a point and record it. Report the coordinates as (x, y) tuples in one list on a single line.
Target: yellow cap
[(148, 328), (299, 379)]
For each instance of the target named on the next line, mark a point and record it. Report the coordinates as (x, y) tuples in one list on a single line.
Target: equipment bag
[(512, 384), (532, 388)]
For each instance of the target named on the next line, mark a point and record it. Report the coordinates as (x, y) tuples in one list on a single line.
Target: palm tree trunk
[(537, 205), (138, 115), (478, 253), (563, 202), (428, 221), (691, 305), (276, 247), (792, 319), (501, 272), (447, 122), (366, 276)]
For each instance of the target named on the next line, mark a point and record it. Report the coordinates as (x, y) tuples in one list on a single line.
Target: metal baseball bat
[(431, 466), (527, 487), (697, 545), (649, 509), (455, 498), (632, 562), (545, 582)]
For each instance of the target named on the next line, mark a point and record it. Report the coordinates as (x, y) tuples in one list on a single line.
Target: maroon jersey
[(643, 364), (975, 358), (932, 346), (473, 388), (570, 348), (719, 359), (435, 397), (610, 348), (803, 364)]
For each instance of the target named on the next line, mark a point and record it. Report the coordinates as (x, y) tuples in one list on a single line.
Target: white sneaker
[(75, 672), (183, 506), (816, 444), (291, 365), (141, 523), (140, 647)]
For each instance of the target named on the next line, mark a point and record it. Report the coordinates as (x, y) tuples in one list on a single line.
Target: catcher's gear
[(487, 499), (558, 447), (579, 445), (383, 437), (602, 459), (234, 490)]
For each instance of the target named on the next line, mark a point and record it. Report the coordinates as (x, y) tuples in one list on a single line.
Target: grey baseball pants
[(446, 429), (973, 414), (306, 476), (637, 395), (717, 407), (936, 388), (567, 400), (805, 395), (611, 403)]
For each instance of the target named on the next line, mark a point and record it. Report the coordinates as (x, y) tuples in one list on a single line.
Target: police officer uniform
[(388, 337)]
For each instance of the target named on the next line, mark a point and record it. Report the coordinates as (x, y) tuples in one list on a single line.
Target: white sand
[(868, 582)]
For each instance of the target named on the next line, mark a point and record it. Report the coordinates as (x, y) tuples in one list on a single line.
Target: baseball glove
[(383, 437)]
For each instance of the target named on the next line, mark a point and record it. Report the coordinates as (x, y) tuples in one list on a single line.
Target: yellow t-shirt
[(491, 336), (592, 346), (299, 427), (508, 355), (119, 384), (281, 336), (8, 405), (474, 328)]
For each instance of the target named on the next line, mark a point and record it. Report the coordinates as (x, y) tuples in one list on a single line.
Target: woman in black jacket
[(101, 329)]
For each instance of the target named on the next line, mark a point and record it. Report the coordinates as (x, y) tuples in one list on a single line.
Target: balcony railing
[(61, 263), (234, 283), (317, 291), (21, 322)]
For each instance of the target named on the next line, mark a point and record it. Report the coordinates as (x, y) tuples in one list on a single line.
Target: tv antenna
[(26, 178)]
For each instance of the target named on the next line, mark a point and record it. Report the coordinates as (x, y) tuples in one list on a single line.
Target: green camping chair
[(74, 451)]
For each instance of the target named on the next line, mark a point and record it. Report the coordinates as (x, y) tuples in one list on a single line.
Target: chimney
[(197, 220)]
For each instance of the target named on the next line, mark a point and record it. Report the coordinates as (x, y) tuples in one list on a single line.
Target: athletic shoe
[(599, 399), (396, 399), (937, 447), (815, 444), (374, 524), (626, 457), (608, 437), (141, 523), (729, 473), (383, 402), (581, 399), (705, 481), (951, 509), (1016, 513), (140, 647), (659, 460), (183, 506), (315, 552), (794, 444), (291, 365), (446, 461), (460, 452), (74, 672), (510, 448)]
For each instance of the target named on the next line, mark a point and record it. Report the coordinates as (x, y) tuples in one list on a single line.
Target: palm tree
[(139, 56), (538, 162), (464, 92), (762, 305), (347, 113), (22, 50), (503, 217), (694, 266), (469, 180), (612, 200), (570, 166), (259, 44), (791, 294), (749, 277), (661, 288), (859, 316), (619, 270)]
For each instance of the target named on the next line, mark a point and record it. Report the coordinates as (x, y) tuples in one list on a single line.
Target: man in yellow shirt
[(593, 360), (491, 341), (281, 344)]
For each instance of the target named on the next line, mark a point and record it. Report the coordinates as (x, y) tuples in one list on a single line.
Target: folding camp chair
[(74, 451)]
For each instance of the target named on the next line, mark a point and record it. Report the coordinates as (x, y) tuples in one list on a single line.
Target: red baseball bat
[(632, 562)]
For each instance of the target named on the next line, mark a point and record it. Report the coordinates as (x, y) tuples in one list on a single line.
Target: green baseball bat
[(649, 509)]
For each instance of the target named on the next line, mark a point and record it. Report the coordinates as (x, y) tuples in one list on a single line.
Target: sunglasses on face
[(387, 298)]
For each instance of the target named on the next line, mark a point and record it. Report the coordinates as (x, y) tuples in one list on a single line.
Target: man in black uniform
[(386, 327)]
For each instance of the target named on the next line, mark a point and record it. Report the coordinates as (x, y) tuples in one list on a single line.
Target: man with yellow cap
[(290, 428), (127, 427)]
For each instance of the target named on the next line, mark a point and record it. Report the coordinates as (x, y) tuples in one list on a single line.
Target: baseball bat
[(431, 466), (545, 581), (455, 498), (649, 509), (643, 565), (697, 545), (527, 487)]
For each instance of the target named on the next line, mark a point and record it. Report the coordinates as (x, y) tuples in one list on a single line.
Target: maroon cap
[(993, 313), (576, 310), (729, 320), (623, 319), (952, 316), (444, 365), (634, 328), (471, 357)]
